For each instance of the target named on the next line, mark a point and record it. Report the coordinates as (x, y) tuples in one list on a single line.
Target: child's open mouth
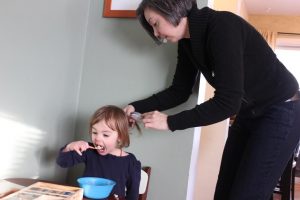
[(99, 147)]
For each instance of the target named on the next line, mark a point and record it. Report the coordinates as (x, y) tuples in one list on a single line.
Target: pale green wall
[(41, 44)]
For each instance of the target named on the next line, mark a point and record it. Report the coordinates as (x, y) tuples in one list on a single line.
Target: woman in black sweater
[(249, 82)]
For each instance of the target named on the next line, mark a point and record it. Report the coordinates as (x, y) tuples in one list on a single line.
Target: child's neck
[(119, 153)]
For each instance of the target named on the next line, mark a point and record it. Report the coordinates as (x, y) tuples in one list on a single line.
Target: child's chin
[(103, 153)]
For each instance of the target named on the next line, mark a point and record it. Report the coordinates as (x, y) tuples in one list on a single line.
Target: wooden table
[(27, 181), (24, 181)]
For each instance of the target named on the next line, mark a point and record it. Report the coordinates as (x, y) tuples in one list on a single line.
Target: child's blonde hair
[(116, 119)]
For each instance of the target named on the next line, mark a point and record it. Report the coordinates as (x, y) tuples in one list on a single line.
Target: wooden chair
[(286, 183), (144, 184)]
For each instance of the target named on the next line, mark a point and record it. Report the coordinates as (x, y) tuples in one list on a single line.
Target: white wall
[(211, 145), (41, 45)]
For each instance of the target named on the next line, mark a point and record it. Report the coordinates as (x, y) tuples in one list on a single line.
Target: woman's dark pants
[(257, 151)]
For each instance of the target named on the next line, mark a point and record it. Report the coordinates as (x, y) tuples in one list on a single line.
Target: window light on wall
[(288, 51)]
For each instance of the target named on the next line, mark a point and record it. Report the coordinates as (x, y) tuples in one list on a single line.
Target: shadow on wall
[(129, 33), (134, 36), (18, 143), (82, 129)]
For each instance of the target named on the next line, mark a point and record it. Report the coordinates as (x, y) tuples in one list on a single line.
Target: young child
[(104, 157)]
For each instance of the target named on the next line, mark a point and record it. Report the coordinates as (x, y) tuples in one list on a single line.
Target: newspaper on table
[(47, 191)]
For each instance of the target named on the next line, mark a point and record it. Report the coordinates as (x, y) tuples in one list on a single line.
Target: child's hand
[(78, 146)]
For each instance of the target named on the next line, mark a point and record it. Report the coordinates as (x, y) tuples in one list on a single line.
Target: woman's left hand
[(155, 120)]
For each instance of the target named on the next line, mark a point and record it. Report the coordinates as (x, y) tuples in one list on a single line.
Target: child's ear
[(119, 143)]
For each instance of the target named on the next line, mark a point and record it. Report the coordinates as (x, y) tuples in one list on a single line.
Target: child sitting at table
[(104, 157)]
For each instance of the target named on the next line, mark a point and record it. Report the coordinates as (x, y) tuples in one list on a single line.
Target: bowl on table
[(96, 188)]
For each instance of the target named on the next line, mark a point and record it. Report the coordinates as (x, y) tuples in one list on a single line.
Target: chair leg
[(293, 182), (286, 180), (271, 198)]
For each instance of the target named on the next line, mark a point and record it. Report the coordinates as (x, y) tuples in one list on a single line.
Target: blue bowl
[(96, 188)]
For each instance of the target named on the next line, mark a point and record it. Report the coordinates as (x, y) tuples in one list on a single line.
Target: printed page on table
[(46, 191)]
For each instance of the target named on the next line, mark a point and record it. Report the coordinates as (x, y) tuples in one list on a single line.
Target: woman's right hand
[(128, 110), (78, 146)]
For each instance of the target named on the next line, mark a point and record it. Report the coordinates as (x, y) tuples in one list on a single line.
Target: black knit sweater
[(235, 59)]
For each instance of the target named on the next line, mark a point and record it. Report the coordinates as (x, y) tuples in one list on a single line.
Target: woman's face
[(163, 29), (105, 138)]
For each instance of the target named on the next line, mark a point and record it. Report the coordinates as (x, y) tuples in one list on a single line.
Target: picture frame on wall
[(120, 8)]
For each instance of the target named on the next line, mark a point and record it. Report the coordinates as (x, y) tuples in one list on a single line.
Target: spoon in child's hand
[(96, 147)]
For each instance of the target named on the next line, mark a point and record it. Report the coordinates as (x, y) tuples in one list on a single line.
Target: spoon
[(96, 147)]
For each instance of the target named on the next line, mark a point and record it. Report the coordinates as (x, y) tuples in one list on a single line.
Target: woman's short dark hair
[(171, 10)]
